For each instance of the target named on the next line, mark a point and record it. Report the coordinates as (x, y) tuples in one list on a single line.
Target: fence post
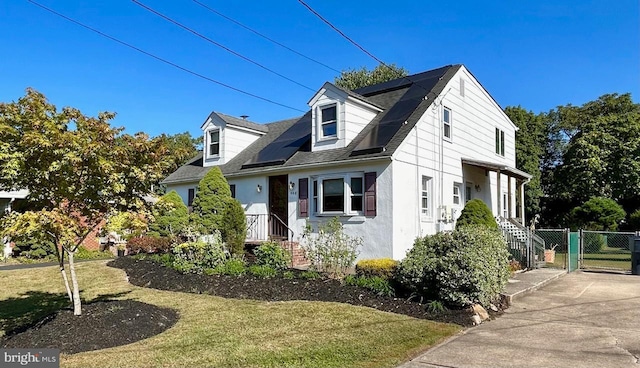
[(581, 252)]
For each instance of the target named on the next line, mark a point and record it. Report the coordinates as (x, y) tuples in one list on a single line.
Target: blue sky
[(538, 54)]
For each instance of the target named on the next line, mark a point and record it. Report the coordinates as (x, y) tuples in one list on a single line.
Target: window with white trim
[(328, 121), (446, 123), (456, 193), (500, 142), (338, 194), (214, 142), (425, 197)]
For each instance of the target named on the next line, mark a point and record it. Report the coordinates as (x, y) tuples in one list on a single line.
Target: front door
[(278, 206)]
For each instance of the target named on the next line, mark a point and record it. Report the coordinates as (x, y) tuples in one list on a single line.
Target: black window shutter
[(192, 194), (232, 187), (370, 193), (303, 196)]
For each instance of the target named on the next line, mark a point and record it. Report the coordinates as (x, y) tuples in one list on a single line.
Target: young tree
[(170, 215), (598, 213), (234, 227), (353, 79), (180, 148), (76, 168), (476, 212)]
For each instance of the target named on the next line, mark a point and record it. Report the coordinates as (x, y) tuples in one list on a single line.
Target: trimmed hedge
[(170, 215), (467, 266), (149, 244), (380, 267), (476, 212)]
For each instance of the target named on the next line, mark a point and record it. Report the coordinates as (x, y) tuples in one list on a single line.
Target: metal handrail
[(273, 215)]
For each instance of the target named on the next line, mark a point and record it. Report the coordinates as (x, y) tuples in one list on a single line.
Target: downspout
[(418, 184)]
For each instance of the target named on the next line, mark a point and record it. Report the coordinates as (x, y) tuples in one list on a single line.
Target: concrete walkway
[(581, 320)]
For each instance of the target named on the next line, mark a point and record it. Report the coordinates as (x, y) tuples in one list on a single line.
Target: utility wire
[(161, 59), (217, 44), (264, 36), (354, 42)]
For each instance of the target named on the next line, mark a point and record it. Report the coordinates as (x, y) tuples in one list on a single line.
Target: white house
[(393, 161)]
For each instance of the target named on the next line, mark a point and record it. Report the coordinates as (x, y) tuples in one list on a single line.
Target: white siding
[(474, 118), (182, 190), (356, 118), (376, 231), (232, 141)]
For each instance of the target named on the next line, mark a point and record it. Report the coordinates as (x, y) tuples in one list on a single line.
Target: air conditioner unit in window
[(446, 213)]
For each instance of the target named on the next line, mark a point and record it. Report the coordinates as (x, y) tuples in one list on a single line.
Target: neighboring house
[(393, 161)]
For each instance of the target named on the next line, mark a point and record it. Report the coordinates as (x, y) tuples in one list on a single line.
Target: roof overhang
[(14, 194), (503, 169)]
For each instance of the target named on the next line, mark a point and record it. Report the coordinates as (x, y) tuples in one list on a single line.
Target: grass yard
[(219, 332)]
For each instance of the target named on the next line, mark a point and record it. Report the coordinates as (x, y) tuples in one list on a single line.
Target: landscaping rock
[(480, 312), (476, 320)]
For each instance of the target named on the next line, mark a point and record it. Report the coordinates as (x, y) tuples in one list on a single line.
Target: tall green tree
[(353, 79), (77, 168), (530, 149), (601, 157)]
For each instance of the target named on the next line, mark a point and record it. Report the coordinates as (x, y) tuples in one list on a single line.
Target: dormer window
[(328, 121), (214, 142)]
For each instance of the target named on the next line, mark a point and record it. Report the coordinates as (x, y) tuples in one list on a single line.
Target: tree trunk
[(77, 306), (60, 254)]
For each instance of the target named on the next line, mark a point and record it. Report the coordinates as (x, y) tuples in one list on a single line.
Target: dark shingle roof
[(403, 101), (243, 123)]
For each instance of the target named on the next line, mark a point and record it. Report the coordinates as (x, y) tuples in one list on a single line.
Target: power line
[(161, 59), (264, 36), (218, 44), (354, 42)]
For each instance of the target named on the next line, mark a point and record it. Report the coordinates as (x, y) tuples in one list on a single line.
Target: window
[(446, 123), (232, 187), (456, 193), (190, 196), (467, 192), (356, 194), (500, 142), (328, 121), (426, 183), (342, 194), (214, 142)]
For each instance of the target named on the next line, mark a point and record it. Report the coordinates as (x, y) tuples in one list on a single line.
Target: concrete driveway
[(581, 320)]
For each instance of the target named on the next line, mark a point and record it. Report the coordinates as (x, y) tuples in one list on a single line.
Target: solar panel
[(399, 113), (284, 146)]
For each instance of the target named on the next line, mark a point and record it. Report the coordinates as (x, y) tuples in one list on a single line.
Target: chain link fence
[(606, 250), (556, 246)]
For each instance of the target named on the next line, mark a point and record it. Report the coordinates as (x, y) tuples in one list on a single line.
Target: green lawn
[(220, 332)]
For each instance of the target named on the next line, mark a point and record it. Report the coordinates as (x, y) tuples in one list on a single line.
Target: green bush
[(149, 244), (593, 242), (598, 213), (634, 220), (194, 257), (310, 275), (231, 267), (170, 215), (34, 248), (381, 267), (234, 227), (288, 275), (84, 253), (273, 254), (331, 250), (467, 266), (379, 285), (211, 201), (125, 224), (262, 271), (476, 212)]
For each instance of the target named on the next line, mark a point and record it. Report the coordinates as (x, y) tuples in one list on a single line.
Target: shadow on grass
[(30, 309)]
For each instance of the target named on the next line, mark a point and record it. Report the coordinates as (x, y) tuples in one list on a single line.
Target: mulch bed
[(150, 274), (101, 325)]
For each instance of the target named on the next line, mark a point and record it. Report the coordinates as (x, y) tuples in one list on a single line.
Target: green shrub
[(170, 215), (288, 275), (262, 271), (231, 267), (634, 220), (211, 201), (467, 266), (125, 224), (331, 249), (84, 253), (194, 257), (435, 307), (165, 259), (149, 244), (234, 227), (593, 242), (273, 254), (34, 248), (381, 267), (476, 212), (379, 285), (598, 213)]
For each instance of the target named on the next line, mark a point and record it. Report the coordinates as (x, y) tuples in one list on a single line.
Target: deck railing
[(267, 226)]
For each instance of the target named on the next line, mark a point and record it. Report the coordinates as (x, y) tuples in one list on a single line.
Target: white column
[(524, 221)]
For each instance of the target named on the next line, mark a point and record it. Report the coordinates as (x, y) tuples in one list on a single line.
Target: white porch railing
[(262, 227)]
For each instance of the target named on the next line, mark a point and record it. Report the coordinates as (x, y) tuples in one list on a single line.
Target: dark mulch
[(101, 325), (150, 274)]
